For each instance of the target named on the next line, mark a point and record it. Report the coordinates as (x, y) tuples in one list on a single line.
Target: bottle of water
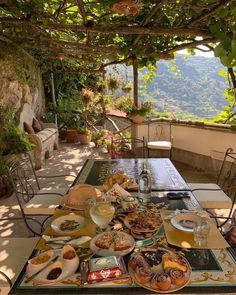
[(145, 185)]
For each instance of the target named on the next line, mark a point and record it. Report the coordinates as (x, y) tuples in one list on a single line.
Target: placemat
[(185, 239), (88, 230)]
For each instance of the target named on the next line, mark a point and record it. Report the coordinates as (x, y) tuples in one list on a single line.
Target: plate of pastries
[(159, 270), (143, 224)]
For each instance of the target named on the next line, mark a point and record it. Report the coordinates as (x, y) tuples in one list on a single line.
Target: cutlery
[(38, 272)]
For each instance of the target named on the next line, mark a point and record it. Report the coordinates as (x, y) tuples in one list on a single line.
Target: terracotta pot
[(84, 138), (72, 135), (137, 119), (6, 188), (62, 134), (126, 89)]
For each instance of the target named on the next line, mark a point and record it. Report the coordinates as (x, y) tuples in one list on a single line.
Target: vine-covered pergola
[(88, 35)]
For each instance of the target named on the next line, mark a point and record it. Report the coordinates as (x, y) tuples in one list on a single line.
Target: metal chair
[(127, 148), (162, 140), (222, 194), (218, 195), (32, 202)]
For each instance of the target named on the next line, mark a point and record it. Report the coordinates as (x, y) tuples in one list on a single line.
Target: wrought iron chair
[(127, 148), (162, 140), (222, 194), (32, 200)]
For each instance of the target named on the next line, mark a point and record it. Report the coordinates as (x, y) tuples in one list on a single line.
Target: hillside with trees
[(188, 88)]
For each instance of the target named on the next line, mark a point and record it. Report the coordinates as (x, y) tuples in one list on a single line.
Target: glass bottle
[(145, 184)]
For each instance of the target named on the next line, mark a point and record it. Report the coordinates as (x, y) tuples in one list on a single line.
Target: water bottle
[(145, 185)]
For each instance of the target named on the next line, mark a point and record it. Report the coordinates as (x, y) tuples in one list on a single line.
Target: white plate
[(110, 252), (185, 221), (56, 223)]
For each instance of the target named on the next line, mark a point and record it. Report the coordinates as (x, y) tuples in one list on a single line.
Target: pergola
[(88, 35)]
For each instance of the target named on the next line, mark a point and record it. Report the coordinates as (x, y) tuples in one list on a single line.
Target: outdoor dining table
[(217, 276)]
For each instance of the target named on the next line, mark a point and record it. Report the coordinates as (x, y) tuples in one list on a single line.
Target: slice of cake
[(174, 261)]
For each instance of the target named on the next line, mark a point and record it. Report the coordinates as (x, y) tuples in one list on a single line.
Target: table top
[(164, 174), (218, 276)]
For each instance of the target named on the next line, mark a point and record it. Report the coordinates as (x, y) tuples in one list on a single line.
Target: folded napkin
[(183, 239)]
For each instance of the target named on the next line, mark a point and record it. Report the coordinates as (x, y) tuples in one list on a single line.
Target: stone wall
[(20, 80)]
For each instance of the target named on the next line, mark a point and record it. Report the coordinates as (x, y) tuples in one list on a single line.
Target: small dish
[(185, 221)]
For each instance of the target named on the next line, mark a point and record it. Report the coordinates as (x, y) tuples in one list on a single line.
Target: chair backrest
[(127, 148), (23, 177), (159, 131), (227, 175)]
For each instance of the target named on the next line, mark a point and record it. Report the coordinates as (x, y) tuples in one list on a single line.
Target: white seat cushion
[(14, 252), (45, 204), (210, 199), (159, 145)]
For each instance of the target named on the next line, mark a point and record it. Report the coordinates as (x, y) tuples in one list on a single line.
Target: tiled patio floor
[(68, 160)]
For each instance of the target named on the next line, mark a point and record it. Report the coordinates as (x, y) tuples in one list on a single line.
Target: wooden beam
[(111, 30), (4, 39), (135, 79), (73, 44)]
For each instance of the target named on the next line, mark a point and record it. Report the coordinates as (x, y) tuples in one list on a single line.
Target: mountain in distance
[(194, 90)]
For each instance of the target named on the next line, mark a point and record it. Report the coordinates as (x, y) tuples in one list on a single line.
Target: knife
[(38, 272)]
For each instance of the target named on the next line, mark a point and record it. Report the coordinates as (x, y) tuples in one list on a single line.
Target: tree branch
[(148, 18), (111, 30), (204, 15), (232, 77), (191, 45), (58, 11)]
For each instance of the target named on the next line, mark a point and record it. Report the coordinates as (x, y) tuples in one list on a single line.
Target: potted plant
[(5, 184), (127, 88), (84, 135), (102, 86), (113, 82), (137, 113), (98, 137), (87, 95), (13, 142)]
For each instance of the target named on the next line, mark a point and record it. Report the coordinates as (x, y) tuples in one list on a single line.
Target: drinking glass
[(201, 231), (102, 214)]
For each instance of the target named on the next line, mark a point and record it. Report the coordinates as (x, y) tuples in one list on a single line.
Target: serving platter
[(144, 272), (185, 221), (108, 240), (65, 266), (68, 224)]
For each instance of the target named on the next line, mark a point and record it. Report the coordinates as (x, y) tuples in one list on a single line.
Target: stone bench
[(45, 141)]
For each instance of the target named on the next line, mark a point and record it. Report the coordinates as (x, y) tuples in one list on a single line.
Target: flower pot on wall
[(137, 119)]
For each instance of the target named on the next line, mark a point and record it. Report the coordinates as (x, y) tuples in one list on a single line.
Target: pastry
[(121, 242), (137, 261), (143, 274), (174, 261), (153, 256), (161, 282), (177, 276), (105, 241)]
